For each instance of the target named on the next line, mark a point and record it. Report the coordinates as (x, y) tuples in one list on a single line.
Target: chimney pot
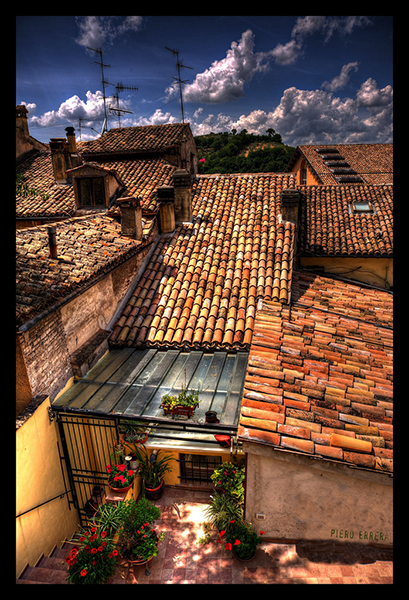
[(182, 181), (72, 146), (52, 240), (166, 198), (131, 217)]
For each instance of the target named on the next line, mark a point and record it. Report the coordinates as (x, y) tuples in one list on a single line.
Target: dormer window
[(95, 187), (91, 191)]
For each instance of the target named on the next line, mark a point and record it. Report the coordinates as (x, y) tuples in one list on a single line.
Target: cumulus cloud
[(342, 79), (94, 32), (92, 109), (158, 118), (317, 116), (225, 79), (288, 53)]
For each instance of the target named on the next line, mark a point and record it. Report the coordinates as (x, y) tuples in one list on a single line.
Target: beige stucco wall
[(304, 499), (374, 271), (38, 479)]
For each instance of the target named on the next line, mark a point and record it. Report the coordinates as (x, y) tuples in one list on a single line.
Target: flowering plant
[(240, 538), (137, 538), (230, 477), (94, 561), (119, 476), (185, 398)]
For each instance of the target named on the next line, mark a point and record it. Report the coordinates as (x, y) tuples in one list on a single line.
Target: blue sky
[(313, 79)]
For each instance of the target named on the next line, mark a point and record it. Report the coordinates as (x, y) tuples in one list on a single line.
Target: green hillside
[(242, 152)]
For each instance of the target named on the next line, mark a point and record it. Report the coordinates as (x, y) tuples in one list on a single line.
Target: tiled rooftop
[(319, 376), (38, 174), (330, 227), (87, 247), (128, 140), (373, 163), (204, 281)]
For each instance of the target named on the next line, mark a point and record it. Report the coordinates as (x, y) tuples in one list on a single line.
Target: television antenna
[(179, 66), (104, 82), (120, 87)]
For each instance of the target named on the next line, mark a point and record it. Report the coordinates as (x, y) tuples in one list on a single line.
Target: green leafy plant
[(94, 560), (240, 537), (119, 476), (109, 517), (133, 431), (137, 539), (230, 478), (152, 468), (222, 510), (186, 398)]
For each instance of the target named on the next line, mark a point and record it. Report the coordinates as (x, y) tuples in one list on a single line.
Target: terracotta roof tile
[(86, 246), (373, 163), (210, 274), (328, 226), (128, 140), (328, 374)]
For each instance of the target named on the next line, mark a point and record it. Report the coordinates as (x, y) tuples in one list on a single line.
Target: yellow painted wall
[(298, 168), (39, 478), (374, 271)]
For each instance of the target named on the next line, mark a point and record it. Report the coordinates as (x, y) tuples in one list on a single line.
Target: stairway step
[(53, 562), (44, 575)]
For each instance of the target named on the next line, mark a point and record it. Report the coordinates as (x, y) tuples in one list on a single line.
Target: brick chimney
[(59, 157), (166, 199), (182, 181), (52, 240), (72, 146), (131, 217), (21, 119), (290, 201)]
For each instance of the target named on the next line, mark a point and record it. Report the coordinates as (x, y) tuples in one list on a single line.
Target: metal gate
[(86, 444)]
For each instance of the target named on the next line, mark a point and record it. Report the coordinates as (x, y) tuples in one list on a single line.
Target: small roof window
[(361, 206)]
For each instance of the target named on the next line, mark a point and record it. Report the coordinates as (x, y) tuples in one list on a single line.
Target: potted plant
[(152, 469), (137, 539), (94, 561), (222, 510), (120, 478), (109, 517), (133, 431), (241, 539), (183, 404), (230, 478)]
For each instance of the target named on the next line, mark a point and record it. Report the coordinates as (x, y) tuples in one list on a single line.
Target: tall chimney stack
[(52, 240), (131, 217), (72, 146), (182, 181), (59, 153), (166, 199)]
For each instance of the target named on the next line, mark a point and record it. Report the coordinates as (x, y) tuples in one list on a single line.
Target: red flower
[(237, 542), (261, 532), (93, 529), (114, 552), (130, 473), (109, 468), (83, 572), (222, 533), (82, 538), (86, 533), (94, 550), (228, 546), (94, 562), (100, 548), (121, 468), (103, 534), (232, 521)]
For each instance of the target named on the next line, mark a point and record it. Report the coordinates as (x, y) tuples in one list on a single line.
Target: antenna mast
[(118, 111), (104, 82), (179, 65)]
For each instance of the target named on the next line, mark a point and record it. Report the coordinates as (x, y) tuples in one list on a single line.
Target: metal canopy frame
[(128, 384)]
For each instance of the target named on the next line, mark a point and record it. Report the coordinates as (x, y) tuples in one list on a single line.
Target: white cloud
[(342, 79), (225, 79), (97, 31), (317, 116), (157, 118), (72, 109), (286, 54)]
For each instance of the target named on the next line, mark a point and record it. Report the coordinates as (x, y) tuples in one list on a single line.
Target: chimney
[(131, 217), (72, 146), (290, 200), (59, 155), (21, 119), (182, 181), (52, 240), (166, 199)]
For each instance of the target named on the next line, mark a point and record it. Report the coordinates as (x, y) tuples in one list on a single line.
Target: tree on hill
[(243, 152)]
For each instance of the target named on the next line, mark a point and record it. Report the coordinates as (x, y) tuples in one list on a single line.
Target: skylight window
[(362, 207)]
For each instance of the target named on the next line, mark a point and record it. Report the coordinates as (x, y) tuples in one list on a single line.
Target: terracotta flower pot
[(155, 493), (122, 489)]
